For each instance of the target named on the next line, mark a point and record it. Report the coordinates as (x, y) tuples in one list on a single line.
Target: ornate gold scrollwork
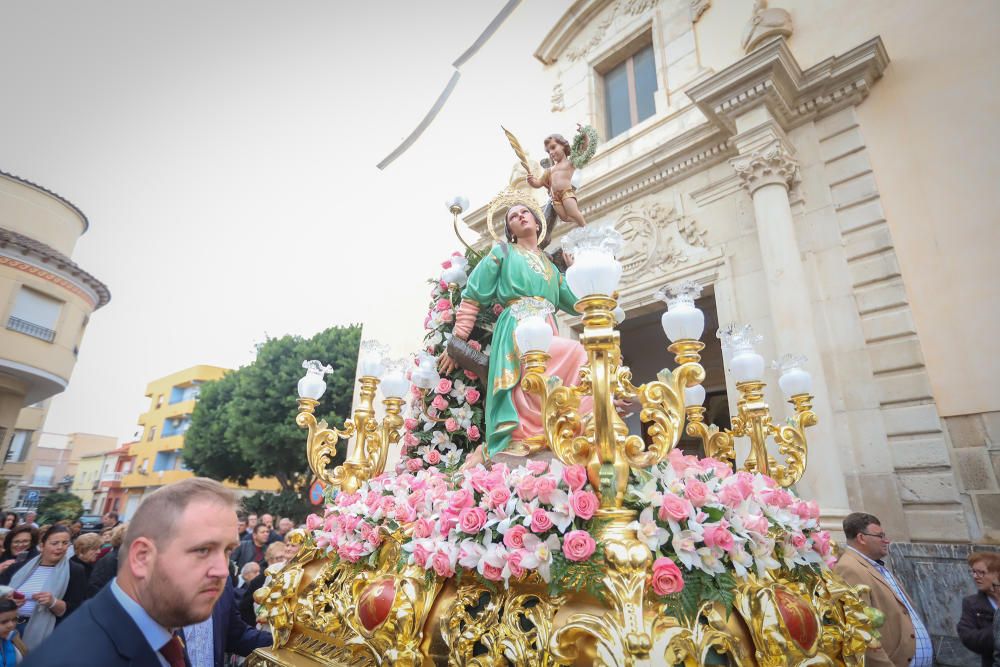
[(369, 455)]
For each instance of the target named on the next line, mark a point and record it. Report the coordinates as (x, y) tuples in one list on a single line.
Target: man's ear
[(142, 557)]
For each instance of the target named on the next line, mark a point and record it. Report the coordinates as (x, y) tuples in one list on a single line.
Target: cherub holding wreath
[(558, 179)]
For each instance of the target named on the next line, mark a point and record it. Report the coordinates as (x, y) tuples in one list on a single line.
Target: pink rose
[(461, 498), (329, 523), (526, 488), (442, 565), (497, 309), (423, 528), (492, 572), (821, 542), (578, 545), (416, 498), (451, 425), (477, 478), (434, 457), (410, 424), (514, 539), (439, 402), (536, 467), (473, 433), (442, 285), (471, 520), (798, 541), (776, 497), (471, 395), (444, 386), (514, 563), (575, 477), (756, 523), (731, 496), (806, 510), (442, 305), (405, 513), (470, 375), (413, 465), (540, 521), (674, 508), (718, 535), (446, 264), (313, 522), (667, 578), (351, 551), (498, 496), (475, 345), (696, 491), (544, 488), (584, 504)]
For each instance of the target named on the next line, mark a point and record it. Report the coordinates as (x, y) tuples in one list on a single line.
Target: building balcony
[(30, 328), (111, 477)]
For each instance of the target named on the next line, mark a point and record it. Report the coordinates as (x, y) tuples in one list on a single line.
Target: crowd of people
[(174, 587), (142, 592)]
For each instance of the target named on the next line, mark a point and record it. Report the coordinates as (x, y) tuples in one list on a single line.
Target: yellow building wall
[(152, 441), (87, 475)]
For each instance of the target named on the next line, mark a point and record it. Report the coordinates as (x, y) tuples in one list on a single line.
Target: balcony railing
[(31, 329), (112, 477)]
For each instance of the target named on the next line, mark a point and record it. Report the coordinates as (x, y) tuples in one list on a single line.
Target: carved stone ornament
[(699, 7), (658, 239), (558, 99), (765, 24), (765, 166), (595, 36)]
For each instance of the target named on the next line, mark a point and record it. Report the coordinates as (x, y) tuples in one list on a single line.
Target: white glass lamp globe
[(694, 395), (794, 379), (459, 202), (619, 314), (372, 354), (533, 332), (683, 320), (747, 366), (312, 384), (394, 383), (454, 275), (425, 375), (595, 271)]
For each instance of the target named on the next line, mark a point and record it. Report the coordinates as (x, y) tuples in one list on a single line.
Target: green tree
[(286, 503), (244, 424), (59, 506)]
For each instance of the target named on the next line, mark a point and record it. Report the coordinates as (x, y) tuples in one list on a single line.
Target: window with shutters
[(35, 314), (629, 84)]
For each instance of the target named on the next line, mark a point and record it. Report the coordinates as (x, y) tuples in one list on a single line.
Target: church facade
[(824, 170)]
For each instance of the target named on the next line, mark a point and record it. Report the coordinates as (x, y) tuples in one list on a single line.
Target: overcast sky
[(225, 155)]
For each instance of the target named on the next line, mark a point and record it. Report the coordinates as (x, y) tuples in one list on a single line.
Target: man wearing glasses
[(975, 628), (905, 640)]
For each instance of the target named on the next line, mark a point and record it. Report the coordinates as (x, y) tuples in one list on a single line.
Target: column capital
[(766, 165)]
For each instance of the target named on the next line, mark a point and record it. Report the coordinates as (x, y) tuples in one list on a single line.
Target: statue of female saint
[(516, 269)]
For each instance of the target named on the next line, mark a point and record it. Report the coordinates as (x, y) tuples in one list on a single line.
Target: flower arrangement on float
[(706, 526)]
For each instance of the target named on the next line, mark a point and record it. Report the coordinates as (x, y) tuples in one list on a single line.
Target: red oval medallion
[(799, 618), (375, 602)]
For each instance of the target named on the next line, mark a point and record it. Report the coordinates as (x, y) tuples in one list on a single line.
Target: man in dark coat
[(172, 570), (229, 633)]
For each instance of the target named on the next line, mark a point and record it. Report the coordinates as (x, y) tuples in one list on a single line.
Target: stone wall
[(975, 441), (937, 578)]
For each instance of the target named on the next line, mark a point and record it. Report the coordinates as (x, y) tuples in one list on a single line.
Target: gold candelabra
[(372, 438)]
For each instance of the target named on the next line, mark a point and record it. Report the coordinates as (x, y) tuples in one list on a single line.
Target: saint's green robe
[(506, 274)]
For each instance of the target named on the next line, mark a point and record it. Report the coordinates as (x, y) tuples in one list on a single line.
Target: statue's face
[(555, 150), (521, 222)]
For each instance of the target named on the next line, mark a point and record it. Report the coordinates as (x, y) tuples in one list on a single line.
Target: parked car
[(91, 523)]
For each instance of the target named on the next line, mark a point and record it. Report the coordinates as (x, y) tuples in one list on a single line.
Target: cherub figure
[(558, 179)]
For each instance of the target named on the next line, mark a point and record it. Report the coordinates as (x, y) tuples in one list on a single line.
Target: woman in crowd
[(18, 545), (52, 585), (106, 566), (975, 628), (8, 522), (85, 550)]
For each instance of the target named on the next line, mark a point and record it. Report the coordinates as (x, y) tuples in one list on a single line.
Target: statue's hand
[(473, 459), (446, 364)]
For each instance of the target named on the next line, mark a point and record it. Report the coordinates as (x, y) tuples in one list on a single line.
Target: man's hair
[(118, 535), (87, 542), (6, 604), (259, 527), (988, 558), (243, 570), (856, 522), (158, 514), (113, 515)]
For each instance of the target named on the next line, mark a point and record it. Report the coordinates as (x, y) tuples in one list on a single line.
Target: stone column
[(768, 172)]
